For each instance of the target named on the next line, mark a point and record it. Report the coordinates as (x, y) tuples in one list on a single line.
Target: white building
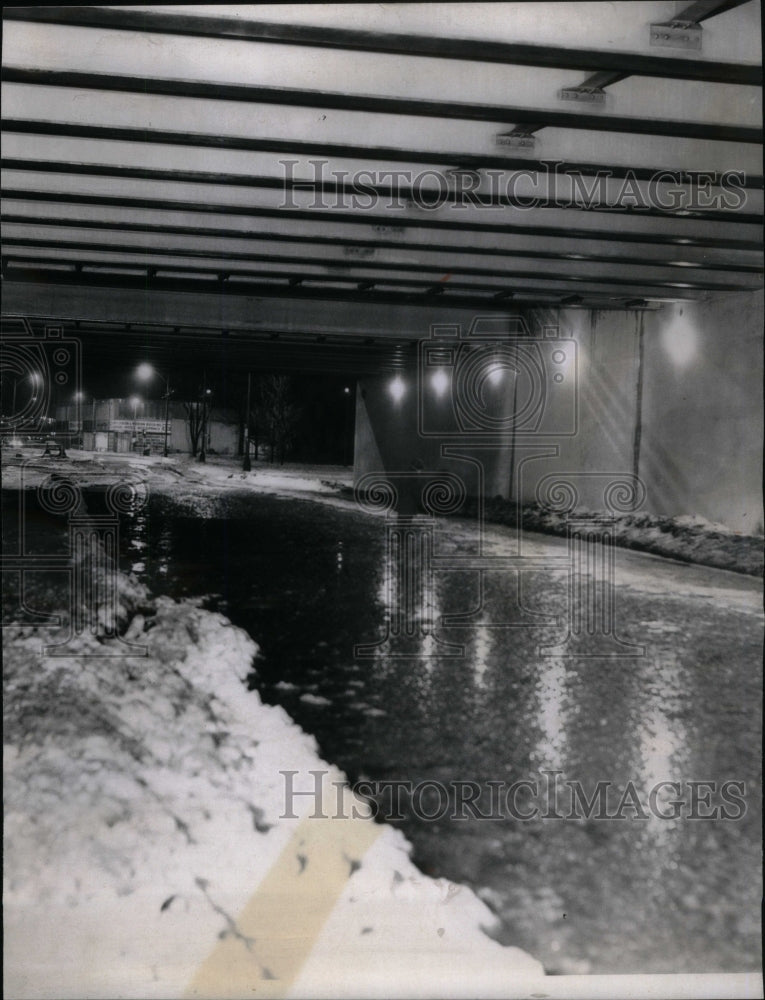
[(120, 425)]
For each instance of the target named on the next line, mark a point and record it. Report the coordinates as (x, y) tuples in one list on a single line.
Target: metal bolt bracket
[(677, 35)]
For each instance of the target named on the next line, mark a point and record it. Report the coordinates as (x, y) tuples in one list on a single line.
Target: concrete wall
[(598, 436), (673, 394), (701, 449)]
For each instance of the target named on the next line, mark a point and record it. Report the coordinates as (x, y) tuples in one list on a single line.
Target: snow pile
[(144, 806), (29, 468)]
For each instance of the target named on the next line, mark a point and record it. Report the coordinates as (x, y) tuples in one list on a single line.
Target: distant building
[(120, 426)]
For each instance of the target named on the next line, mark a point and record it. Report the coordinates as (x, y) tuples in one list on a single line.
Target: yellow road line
[(280, 923)]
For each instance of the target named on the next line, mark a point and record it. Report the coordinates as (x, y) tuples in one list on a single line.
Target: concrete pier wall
[(701, 450), (666, 394)]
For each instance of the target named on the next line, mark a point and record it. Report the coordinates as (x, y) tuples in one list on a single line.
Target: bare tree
[(195, 419), (276, 413)]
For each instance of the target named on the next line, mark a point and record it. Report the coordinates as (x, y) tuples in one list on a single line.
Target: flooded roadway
[(309, 581)]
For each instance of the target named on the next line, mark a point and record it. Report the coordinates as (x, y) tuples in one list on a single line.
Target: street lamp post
[(35, 379), (136, 402), (513, 484), (78, 398), (246, 465), (145, 372), (167, 412), (206, 393), (346, 426)]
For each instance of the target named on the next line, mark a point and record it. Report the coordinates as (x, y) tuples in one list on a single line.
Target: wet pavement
[(624, 890)]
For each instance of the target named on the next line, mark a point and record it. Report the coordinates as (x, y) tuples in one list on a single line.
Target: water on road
[(677, 892)]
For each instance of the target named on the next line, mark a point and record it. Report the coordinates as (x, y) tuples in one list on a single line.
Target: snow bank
[(689, 538), (144, 818)]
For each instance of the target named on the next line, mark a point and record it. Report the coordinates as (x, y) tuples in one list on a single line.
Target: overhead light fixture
[(397, 388), (681, 340), (440, 382)]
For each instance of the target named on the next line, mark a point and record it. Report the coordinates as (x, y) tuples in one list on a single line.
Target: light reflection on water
[(664, 752), (309, 583), (481, 655), (551, 691)]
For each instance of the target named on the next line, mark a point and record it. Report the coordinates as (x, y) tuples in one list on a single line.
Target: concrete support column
[(398, 419)]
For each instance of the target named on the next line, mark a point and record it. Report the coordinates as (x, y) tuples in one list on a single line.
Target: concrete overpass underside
[(568, 207)]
